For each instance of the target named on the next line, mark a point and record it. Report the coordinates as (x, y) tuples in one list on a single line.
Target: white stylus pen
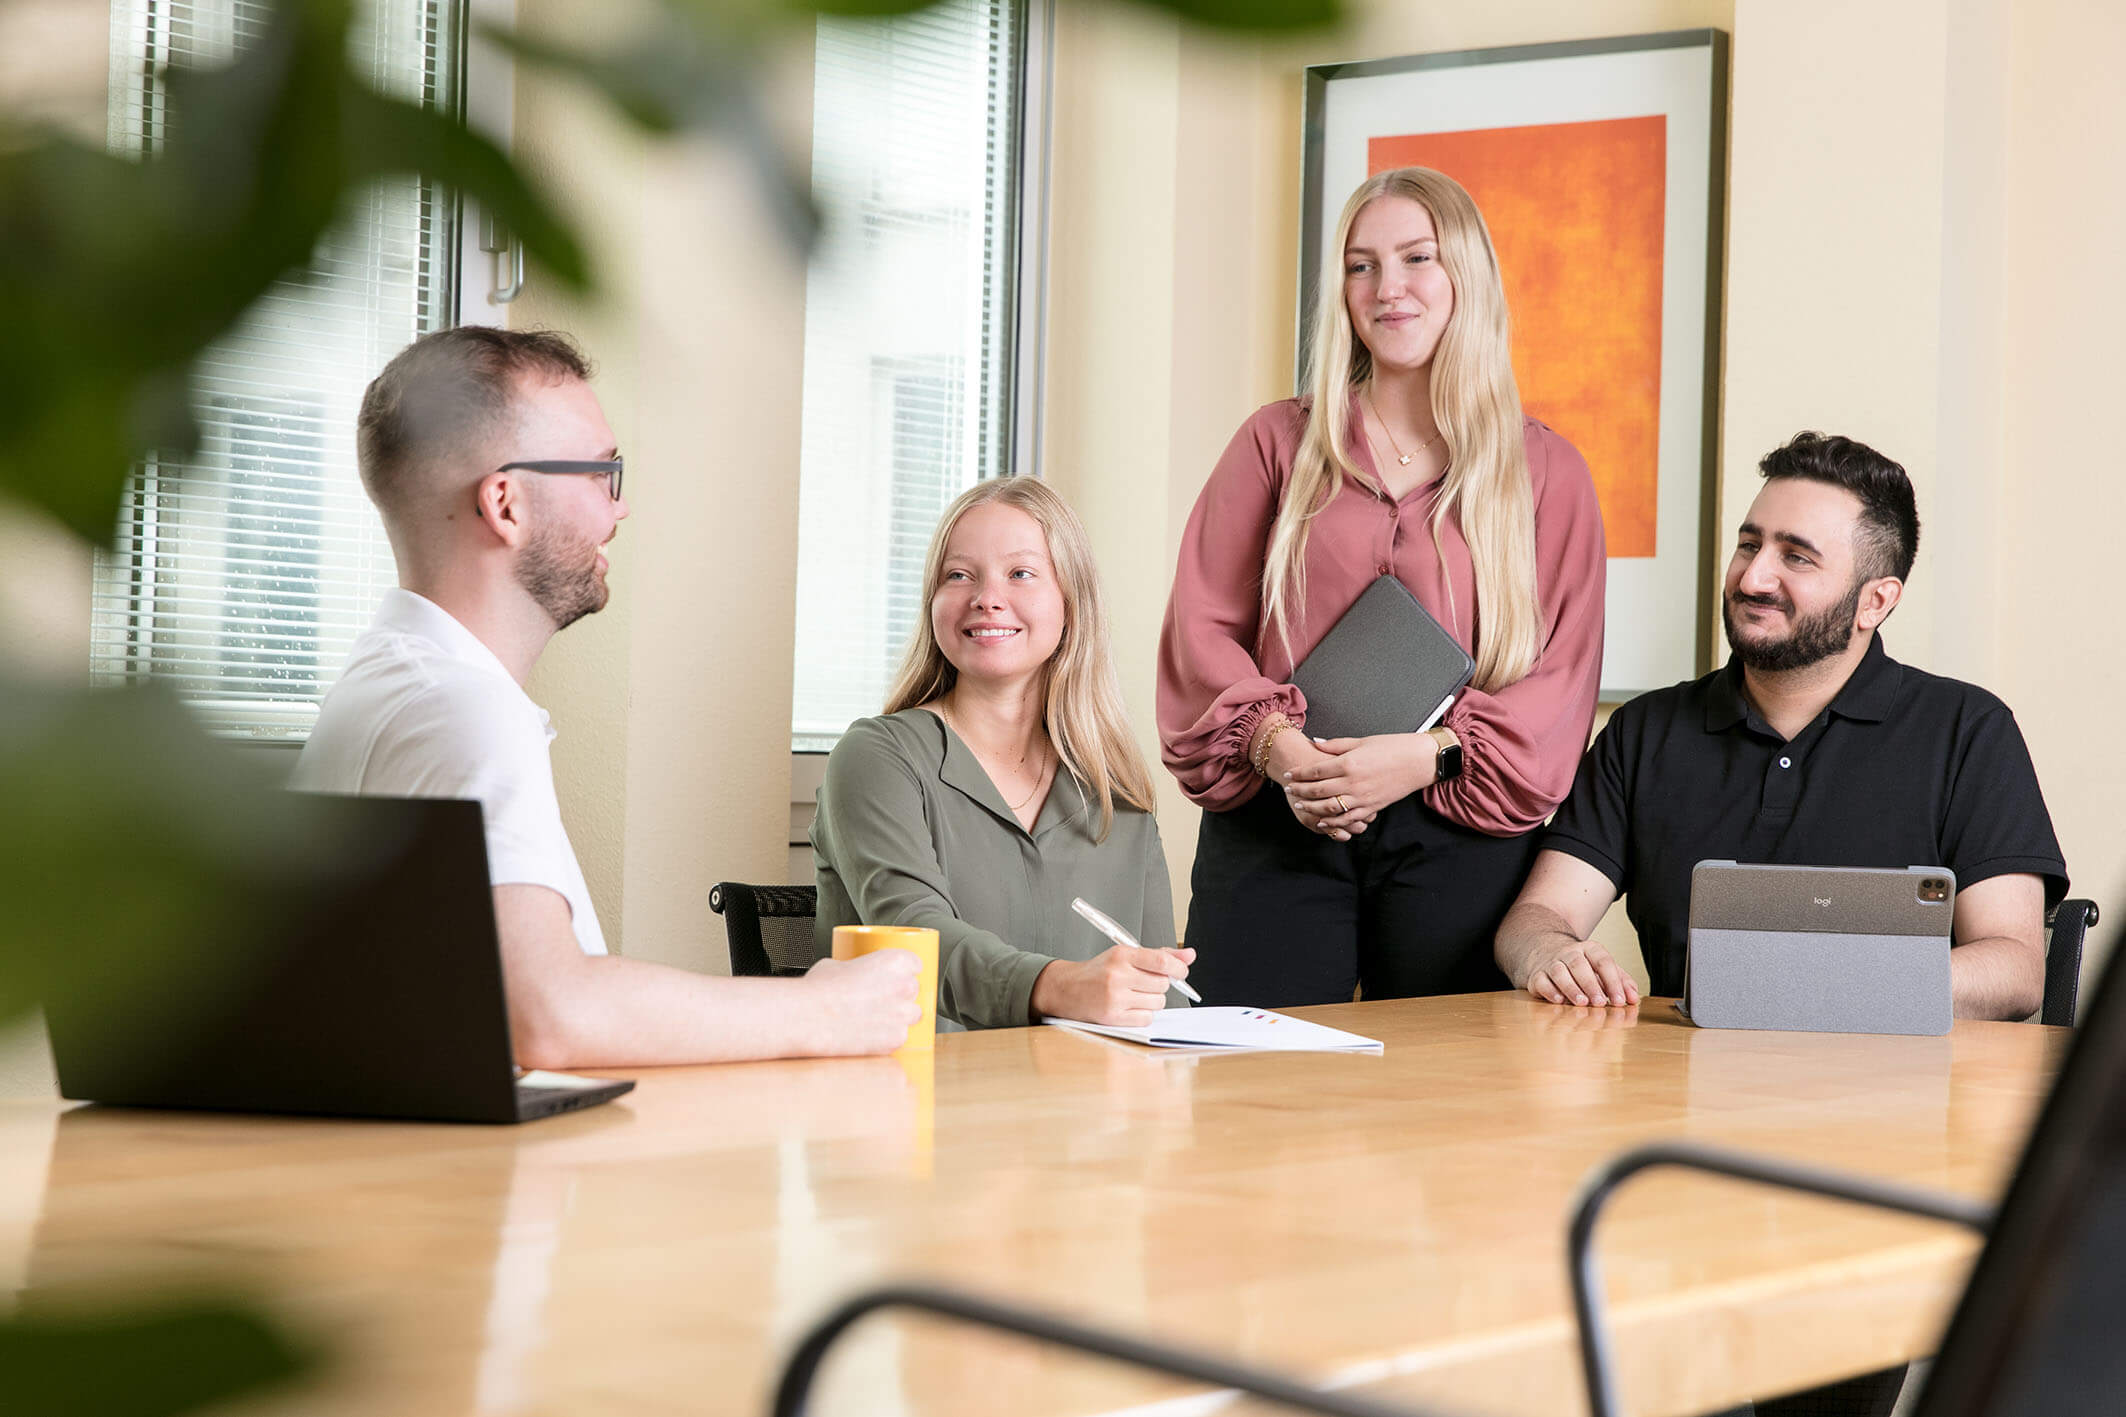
[(1121, 936)]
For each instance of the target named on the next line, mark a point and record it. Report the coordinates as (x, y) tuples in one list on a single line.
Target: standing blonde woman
[(1002, 781), (1382, 862)]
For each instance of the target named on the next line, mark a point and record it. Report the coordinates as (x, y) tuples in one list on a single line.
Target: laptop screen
[(374, 990)]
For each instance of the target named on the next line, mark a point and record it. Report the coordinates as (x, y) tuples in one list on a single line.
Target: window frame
[(487, 101), (482, 83), (1029, 358)]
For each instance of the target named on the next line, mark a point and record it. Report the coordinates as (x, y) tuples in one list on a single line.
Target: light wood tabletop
[(1393, 1222)]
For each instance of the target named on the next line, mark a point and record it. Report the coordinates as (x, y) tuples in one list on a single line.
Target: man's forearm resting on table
[(1997, 969), (1542, 945), (1530, 931), (1998, 977), (1539, 951), (572, 1010)]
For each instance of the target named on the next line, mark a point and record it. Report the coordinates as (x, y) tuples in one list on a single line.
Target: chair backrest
[(2067, 928), (2037, 1332), (769, 928)]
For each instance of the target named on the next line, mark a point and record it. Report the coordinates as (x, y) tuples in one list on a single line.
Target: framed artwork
[(1599, 167)]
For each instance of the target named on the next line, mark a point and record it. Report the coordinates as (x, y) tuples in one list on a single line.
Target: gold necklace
[(1401, 457), (1020, 805), (1039, 777)]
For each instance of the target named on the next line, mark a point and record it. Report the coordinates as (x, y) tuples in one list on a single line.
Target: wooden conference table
[(1394, 1222)]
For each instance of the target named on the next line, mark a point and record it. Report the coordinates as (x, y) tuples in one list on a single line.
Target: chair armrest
[(1596, 1361), (793, 1391), (2063, 960)]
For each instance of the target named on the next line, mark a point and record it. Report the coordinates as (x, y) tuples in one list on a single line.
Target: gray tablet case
[(1819, 949), (1386, 667)]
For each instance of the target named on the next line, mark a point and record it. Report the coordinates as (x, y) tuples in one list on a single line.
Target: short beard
[(560, 583), (1813, 639)]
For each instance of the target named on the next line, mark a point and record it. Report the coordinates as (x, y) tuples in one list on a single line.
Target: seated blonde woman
[(1002, 781)]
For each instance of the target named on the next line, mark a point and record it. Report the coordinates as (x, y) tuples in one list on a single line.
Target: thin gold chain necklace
[(1039, 779), (1401, 457)]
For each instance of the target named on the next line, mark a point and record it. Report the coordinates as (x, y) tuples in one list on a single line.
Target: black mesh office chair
[(2065, 932), (769, 927)]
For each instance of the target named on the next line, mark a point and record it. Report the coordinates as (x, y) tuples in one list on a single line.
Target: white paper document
[(1232, 1030)]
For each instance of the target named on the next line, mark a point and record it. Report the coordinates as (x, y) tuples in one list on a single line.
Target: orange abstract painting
[(1575, 210)]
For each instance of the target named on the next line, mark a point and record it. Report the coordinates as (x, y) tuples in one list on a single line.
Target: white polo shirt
[(425, 709)]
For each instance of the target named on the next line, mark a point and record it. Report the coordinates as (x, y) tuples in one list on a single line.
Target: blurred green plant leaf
[(130, 837), (1245, 15), (117, 273), (135, 1361), (646, 81), (1261, 16), (690, 70), (864, 9), (1254, 16), (385, 137)]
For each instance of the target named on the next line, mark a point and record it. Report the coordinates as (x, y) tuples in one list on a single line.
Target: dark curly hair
[(1888, 538)]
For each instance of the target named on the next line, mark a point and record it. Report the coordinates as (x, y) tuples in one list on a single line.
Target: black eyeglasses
[(608, 468)]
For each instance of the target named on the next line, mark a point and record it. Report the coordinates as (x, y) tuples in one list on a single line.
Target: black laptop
[(374, 993)]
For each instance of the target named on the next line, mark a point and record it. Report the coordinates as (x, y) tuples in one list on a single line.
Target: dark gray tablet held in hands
[(1387, 667), (1819, 949)]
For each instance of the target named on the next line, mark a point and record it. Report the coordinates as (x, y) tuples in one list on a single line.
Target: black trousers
[(1281, 916)]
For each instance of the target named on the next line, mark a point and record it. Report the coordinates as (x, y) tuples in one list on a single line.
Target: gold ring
[(1342, 807)]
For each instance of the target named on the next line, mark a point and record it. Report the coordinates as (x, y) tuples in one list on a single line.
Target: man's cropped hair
[(444, 395), (1888, 538)]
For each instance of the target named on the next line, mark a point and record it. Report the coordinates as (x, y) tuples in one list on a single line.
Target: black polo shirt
[(1904, 768)]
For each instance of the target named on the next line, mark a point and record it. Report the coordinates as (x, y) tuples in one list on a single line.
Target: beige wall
[(1834, 295), (674, 704), (2058, 499), (593, 167)]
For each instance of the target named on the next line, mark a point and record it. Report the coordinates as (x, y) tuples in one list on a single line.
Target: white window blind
[(243, 574), (909, 329)]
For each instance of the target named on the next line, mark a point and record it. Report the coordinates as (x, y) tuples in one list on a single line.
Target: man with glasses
[(499, 483)]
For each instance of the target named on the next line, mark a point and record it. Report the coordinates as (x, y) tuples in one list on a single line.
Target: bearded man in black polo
[(1810, 747)]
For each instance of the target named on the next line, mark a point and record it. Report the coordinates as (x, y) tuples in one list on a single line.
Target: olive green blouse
[(911, 831)]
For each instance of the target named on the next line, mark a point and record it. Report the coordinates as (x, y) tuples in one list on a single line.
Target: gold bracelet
[(1260, 760)]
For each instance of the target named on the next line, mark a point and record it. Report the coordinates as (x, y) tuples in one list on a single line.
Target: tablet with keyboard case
[(1821, 949)]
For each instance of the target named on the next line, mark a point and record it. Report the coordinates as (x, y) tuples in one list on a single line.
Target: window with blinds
[(243, 573), (909, 329)]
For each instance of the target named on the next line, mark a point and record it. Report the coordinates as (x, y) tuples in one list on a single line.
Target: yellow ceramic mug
[(853, 940)]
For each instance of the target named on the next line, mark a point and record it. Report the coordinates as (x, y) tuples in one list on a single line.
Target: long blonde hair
[(1082, 704), (1476, 404)]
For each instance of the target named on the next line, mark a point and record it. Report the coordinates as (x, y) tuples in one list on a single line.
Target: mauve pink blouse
[(1219, 674)]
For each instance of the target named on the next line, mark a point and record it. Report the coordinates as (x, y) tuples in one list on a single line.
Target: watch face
[(1450, 762)]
